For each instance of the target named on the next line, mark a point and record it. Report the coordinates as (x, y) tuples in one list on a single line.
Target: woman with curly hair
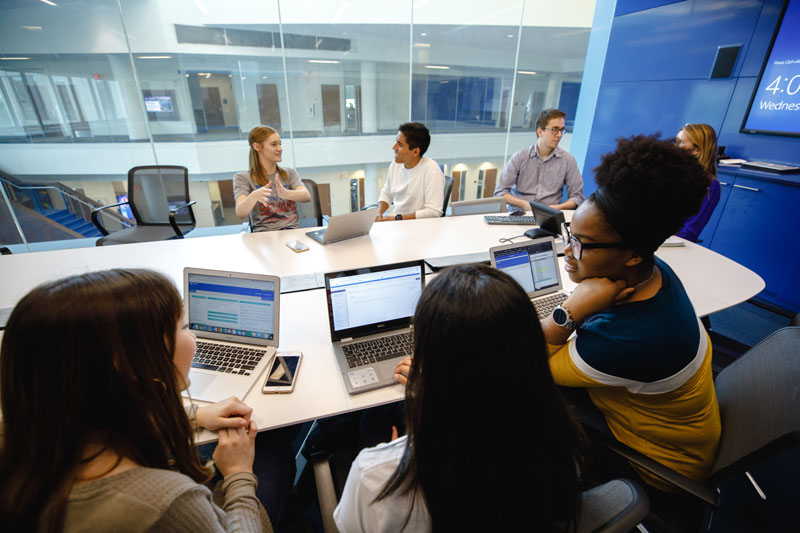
[(640, 350)]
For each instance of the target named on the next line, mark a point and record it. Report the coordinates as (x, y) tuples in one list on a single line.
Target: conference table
[(713, 283)]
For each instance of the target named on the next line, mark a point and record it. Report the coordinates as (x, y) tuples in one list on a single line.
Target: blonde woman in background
[(267, 193), (701, 140)]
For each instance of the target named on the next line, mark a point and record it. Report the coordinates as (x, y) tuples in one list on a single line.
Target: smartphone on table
[(282, 373), (297, 246)]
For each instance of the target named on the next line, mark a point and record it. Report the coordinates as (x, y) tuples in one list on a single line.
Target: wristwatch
[(398, 217), (562, 318)]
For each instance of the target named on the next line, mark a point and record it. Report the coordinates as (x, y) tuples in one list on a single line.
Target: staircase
[(69, 220)]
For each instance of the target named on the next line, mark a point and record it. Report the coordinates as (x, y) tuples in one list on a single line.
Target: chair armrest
[(172, 221), (369, 207), (96, 216), (690, 486)]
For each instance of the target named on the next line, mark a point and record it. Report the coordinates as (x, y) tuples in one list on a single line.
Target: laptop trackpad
[(199, 383)]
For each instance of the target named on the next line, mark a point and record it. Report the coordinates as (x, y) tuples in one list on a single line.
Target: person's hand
[(262, 194), (236, 449), (229, 413), (402, 370), (280, 189), (395, 436), (595, 294)]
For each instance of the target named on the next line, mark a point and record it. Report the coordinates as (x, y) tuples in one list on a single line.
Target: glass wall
[(89, 90)]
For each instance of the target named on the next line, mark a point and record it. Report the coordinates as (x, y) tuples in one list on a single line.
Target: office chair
[(158, 196), (448, 189), (310, 213), (750, 485), (613, 507)]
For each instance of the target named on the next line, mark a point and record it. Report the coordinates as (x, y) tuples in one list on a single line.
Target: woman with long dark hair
[(95, 432), (490, 443), (267, 193)]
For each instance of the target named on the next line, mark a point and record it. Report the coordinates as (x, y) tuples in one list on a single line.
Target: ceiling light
[(33, 28), (529, 72), (422, 45), (437, 67), (49, 3), (264, 77), (13, 58), (424, 34), (154, 57), (510, 36), (326, 61)]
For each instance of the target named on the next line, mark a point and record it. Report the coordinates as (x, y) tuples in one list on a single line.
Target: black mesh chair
[(158, 197), (310, 213), (752, 486), (448, 189)]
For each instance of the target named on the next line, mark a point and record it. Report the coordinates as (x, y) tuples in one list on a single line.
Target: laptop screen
[(533, 265), (367, 300), (232, 306)]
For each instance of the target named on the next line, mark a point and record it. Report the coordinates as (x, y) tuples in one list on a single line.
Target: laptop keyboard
[(498, 219), (227, 358), (545, 305), (372, 351)]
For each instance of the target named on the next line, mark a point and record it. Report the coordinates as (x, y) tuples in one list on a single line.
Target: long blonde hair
[(259, 134), (705, 139)]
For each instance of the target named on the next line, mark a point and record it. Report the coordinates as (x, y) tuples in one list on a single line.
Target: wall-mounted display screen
[(775, 105)]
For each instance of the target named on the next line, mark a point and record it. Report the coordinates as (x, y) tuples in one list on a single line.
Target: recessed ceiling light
[(49, 3), (422, 45), (530, 72), (33, 28), (13, 58), (510, 36), (326, 61), (424, 34), (154, 57), (437, 67)]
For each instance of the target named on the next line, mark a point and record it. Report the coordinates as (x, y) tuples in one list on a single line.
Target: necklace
[(652, 274)]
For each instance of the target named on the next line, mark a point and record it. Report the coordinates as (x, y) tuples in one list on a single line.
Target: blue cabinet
[(725, 186), (758, 228)]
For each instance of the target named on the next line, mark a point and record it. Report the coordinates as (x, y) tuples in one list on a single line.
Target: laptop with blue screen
[(534, 265), (235, 317), (370, 311)]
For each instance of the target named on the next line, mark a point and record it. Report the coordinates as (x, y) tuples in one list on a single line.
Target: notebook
[(345, 226), (235, 317), (480, 206), (370, 311), (534, 265)]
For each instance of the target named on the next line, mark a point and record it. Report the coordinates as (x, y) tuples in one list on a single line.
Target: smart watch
[(562, 318), (398, 217)]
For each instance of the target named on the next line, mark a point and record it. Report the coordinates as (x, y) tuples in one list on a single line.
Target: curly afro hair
[(647, 188)]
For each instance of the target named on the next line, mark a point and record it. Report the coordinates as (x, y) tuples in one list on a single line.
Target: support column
[(553, 90), (371, 191), (369, 99), (131, 97)]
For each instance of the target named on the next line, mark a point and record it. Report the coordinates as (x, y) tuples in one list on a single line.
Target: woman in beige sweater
[(95, 433)]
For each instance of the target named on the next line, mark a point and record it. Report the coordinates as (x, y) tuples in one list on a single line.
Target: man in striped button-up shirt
[(540, 172)]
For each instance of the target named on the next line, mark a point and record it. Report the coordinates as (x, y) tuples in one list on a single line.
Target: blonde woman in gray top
[(95, 433), (268, 193)]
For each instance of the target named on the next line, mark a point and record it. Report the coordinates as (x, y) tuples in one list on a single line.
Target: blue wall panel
[(761, 38), (625, 7), (678, 40)]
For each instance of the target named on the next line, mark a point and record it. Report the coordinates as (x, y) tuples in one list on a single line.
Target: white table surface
[(712, 281)]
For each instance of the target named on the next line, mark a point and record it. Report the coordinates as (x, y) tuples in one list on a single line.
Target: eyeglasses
[(579, 246), (555, 131)]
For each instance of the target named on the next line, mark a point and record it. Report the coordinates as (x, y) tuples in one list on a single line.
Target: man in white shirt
[(414, 184)]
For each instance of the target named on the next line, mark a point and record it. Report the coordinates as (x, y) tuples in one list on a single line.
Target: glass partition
[(90, 90)]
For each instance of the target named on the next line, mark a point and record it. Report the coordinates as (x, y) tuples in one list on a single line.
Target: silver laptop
[(495, 204), (345, 226), (370, 311), (235, 317), (534, 265)]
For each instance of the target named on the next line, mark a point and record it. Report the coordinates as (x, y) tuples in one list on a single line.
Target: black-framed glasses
[(554, 130), (578, 246)]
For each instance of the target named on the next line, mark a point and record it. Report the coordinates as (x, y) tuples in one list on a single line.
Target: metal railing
[(17, 192)]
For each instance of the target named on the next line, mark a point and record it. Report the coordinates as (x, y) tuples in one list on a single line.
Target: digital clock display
[(775, 107)]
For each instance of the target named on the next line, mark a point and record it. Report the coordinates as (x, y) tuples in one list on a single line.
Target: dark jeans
[(274, 466)]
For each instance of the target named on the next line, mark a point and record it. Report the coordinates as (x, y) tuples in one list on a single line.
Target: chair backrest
[(759, 403), (615, 506), (153, 190), (310, 213), (448, 188)]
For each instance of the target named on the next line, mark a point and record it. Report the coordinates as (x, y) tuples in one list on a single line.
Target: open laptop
[(534, 265), (345, 226), (370, 311), (495, 204), (235, 317)]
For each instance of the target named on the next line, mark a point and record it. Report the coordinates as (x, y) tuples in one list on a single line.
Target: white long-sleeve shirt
[(418, 190)]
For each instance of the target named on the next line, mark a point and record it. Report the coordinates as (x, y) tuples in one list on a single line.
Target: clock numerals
[(774, 86), (792, 88)]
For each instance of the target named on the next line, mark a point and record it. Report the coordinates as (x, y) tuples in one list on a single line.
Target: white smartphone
[(296, 246), (282, 373)]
